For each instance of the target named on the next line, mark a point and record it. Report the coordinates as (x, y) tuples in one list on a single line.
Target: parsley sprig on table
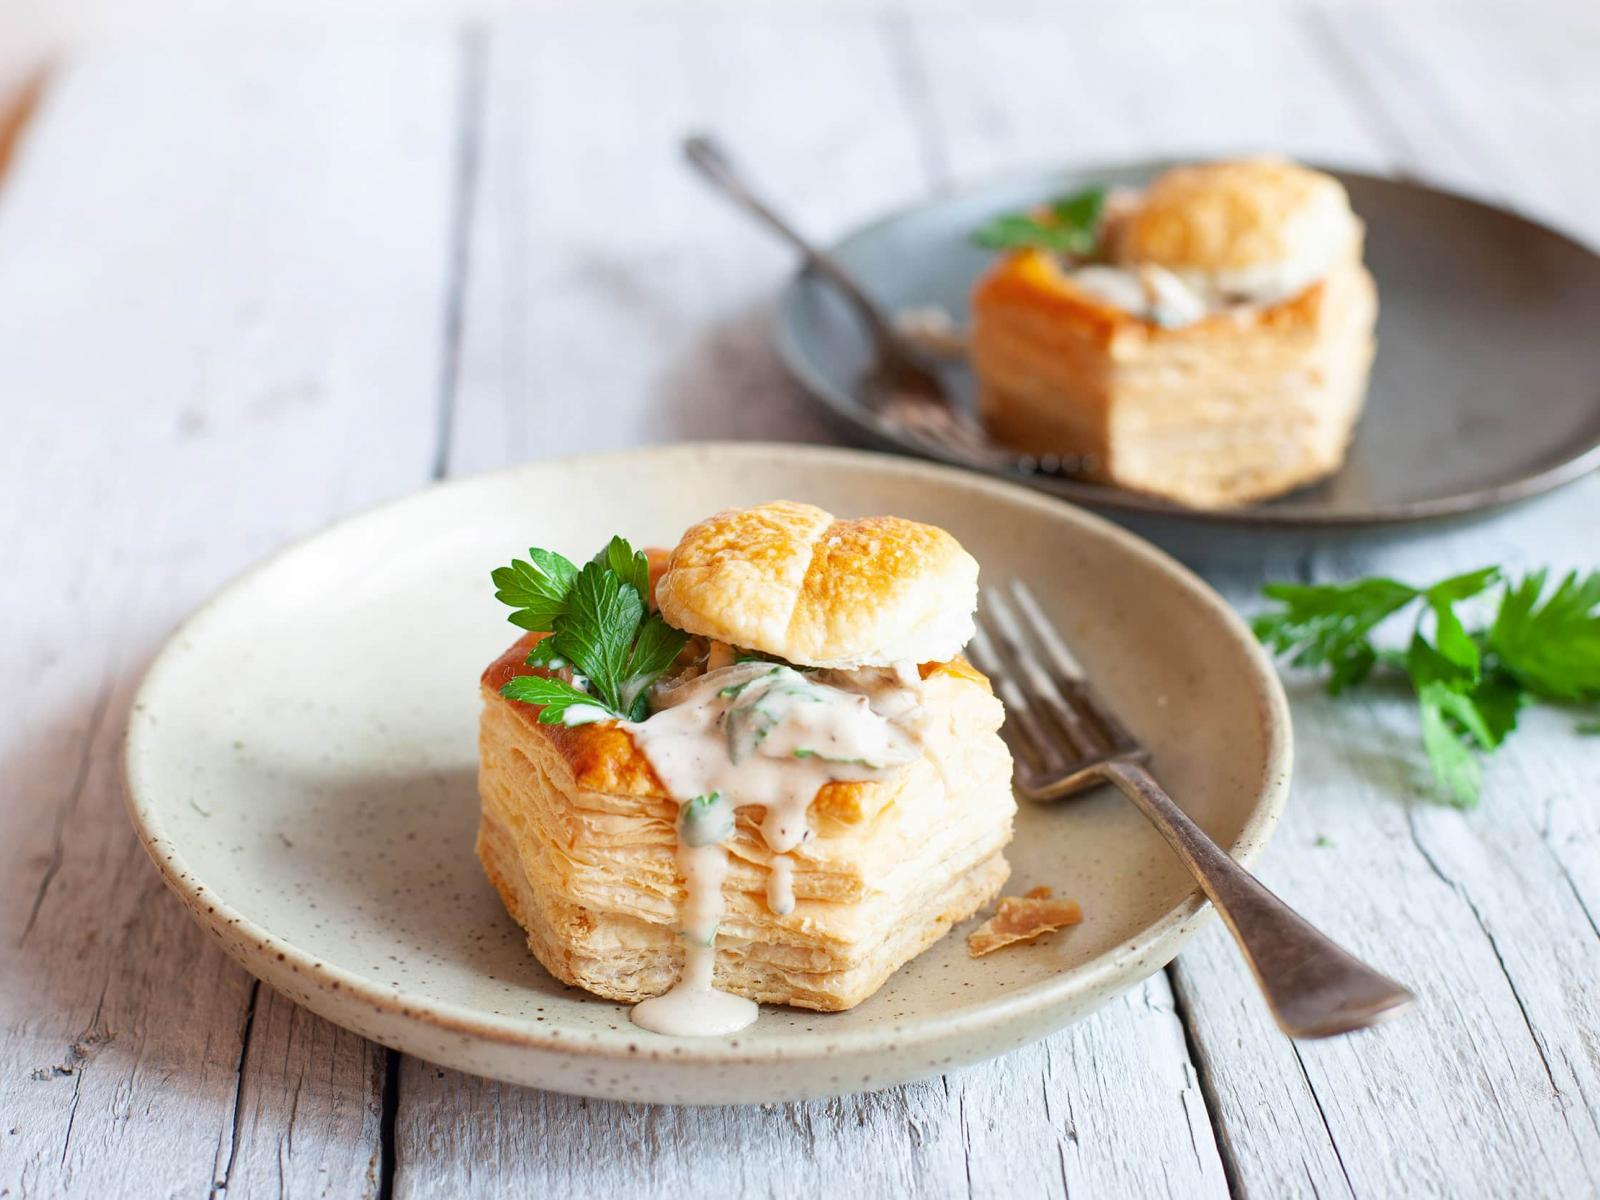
[(1470, 684), (1070, 225), (599, 625)]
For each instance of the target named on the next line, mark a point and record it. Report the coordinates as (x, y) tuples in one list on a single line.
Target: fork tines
[(1054, 722)]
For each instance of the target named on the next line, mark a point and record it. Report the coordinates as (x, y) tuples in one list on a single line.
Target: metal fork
[(1065, 740), (907, 393)]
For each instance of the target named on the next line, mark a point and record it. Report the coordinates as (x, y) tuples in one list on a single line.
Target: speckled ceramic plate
[(301, 765), (1485, 390)]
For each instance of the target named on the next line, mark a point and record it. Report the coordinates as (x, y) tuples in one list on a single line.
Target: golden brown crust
[(1235, 216), (600, 755), (794, 581)]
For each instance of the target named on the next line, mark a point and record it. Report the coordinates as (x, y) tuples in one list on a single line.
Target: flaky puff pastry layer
[(579, 838), (1239, 406)]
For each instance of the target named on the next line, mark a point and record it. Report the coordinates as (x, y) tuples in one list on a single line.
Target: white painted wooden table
[(245, 291)]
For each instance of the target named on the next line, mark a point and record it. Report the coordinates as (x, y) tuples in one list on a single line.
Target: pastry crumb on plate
[(1021, 918)]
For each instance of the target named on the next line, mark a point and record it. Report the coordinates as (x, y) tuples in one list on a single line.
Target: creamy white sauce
[(693, 1007), (780, 885), (584, 714), (759, 733), (1267, 283), (1177, 298), (762, 733), (1150, 292)]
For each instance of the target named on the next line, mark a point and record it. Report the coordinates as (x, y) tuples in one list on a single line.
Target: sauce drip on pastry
[(760, 733)]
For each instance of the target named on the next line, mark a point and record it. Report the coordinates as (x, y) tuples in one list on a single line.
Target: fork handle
[(1314, 987), (709, 158)]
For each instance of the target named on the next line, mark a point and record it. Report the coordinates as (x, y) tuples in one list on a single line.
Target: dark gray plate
[(1486, 387)]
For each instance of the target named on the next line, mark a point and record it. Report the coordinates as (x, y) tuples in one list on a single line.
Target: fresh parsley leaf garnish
[(627, 564), (597, 631), (1327, 624), (1470, 684), (1553, 649), (1453, 764), (598, 624), (653, 651), (1070, 225), (537, 589), (557, 698)]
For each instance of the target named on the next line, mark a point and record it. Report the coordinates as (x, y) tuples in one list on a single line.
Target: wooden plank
[(1114, 83), (309, 1116), (593, 319), (612, 298), (221, 314), (1053, 1119), (1116, 1098), (459, 1135), (1502, 108)]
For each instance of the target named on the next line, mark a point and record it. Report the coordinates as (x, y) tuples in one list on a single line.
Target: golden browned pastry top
[(1238, 217), (797, 582)]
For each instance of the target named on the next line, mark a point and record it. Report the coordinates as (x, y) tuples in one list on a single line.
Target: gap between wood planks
[(468, 149), (68, 807), (910, 74), (469, 138), (226, 1173)]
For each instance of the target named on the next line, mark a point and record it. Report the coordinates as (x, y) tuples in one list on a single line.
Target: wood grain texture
[(1504, 109), (1488, 915), (1053, 1119), (611, 298), (242, 295), (1105, 84), (221, 287)]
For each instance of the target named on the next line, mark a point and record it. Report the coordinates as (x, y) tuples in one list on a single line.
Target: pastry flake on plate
[(816, 793), (1022, 918), (1212, 348)]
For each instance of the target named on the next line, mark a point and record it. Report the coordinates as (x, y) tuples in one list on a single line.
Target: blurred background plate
[(1486, 388)]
